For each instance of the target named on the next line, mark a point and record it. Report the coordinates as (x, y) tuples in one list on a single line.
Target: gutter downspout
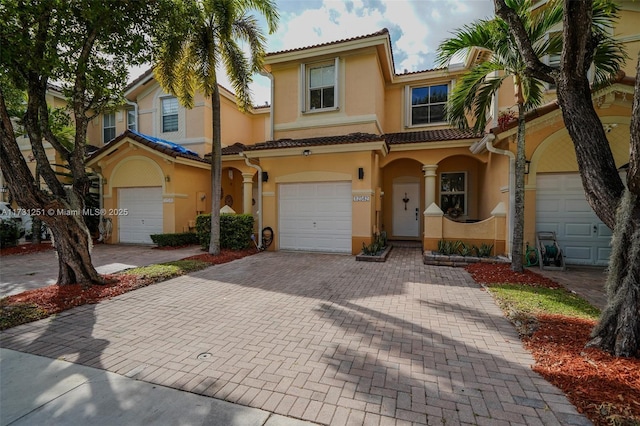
[(255, 166), (271, 118), (488, 139)]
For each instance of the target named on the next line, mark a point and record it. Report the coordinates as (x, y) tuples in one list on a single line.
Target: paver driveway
[(318, 337)]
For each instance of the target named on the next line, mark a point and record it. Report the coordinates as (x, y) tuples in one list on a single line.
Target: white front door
[(143, 214), (561, 207), (406, 209), (315, 216)]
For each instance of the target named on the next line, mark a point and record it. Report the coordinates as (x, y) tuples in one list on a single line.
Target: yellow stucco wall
[(134, 166), (627, 31)]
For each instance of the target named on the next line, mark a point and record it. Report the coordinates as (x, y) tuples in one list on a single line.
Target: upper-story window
[(169, 115), (108, 126), (427, 104), (320, 86), (132, 122)]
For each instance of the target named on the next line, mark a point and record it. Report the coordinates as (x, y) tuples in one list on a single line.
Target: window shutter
[(336, 76), (303, 88)]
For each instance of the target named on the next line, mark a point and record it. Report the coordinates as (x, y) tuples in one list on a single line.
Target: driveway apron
[(317, 337)]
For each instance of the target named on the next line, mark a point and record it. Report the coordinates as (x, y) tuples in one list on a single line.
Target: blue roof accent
[(171, 145)]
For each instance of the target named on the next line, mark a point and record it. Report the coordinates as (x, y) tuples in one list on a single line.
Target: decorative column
[(429, 184), (247, 193)]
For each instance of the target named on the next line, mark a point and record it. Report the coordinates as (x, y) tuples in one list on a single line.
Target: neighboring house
[(349, 148)]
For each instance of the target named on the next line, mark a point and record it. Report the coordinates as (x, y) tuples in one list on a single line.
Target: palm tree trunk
[(216, 174), (518, 223)]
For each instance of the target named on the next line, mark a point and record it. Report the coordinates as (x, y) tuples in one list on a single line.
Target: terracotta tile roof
[(319, 141), (147, 74), (377, 33), (236, 148), (430, 136), (171, 149)]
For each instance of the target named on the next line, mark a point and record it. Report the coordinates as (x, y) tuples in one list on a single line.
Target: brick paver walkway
[(318, 337)]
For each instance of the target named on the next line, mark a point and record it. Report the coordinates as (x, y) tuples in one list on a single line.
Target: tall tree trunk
[(518, 223), (618, 331), (216, 174), (70, 232)]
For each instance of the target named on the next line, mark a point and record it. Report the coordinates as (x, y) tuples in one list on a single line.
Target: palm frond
[(608, 59), (239, 72), (468, 97), (246, 28), (479, 34), (267, 8), (533, 92)]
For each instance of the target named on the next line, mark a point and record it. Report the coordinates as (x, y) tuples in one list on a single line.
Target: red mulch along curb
[(489, 273), (604, 388), (25, 249)]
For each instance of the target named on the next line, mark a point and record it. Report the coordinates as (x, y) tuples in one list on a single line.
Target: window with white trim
[(132, 122), (426, 104), (169, 115), (453, 193), (108, 126), (319, 86)]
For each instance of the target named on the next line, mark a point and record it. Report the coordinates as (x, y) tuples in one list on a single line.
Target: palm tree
[(190, 55), (475, 90)]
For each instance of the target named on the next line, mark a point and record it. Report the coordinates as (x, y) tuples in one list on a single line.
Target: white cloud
[(416, 28)]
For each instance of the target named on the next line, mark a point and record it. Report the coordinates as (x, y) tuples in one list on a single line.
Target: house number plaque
[(358, 198)]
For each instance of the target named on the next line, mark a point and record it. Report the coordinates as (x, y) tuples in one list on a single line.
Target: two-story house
[(348, 148)]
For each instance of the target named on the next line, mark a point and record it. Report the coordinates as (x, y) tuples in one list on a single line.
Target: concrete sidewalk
[(19, 273), (41, 391)]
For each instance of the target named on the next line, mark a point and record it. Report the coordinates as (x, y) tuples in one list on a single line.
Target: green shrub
[(449, 248), (174, 240), (465, 249), (484, 250), (235, 230), (9, 233), (377, 246)]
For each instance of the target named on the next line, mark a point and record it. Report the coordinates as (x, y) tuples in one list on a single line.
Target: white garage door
[(315, 216), (144, 214), (561, 207)]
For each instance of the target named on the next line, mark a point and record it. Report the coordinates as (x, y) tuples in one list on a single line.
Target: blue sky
[(416, 28)]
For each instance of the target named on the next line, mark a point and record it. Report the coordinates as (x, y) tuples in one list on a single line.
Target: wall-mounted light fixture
[(306, 152), (230, 174), (167, 178), (265, 177), (360, 173), (527, 166)]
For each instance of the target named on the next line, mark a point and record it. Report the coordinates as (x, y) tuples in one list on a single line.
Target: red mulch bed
[(488, 273), (25, 249), (53, 299), (605, 388), (601, 386)]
